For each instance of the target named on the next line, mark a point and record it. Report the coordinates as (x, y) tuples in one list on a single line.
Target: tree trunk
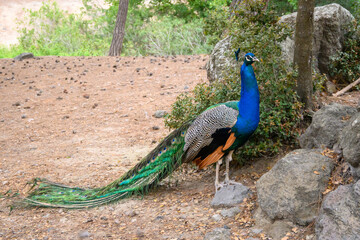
[(303, 50), (119, 31)]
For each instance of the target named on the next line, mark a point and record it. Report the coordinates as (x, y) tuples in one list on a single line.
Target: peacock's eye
[(248, 58)]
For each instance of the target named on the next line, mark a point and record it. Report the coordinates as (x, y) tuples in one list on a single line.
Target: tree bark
[(119, 31), (303, 50)]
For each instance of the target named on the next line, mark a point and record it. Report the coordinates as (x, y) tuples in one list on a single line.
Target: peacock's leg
[(217, 184), (228, 159)]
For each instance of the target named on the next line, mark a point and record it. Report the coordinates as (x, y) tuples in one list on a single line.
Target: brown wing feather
[(211, 158), (216, 155), (230, 141)]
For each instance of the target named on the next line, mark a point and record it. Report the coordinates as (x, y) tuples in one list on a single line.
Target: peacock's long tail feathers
[(144, 176)]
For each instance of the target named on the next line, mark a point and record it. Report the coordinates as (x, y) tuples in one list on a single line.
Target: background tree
[(119, 30), (303, 48)]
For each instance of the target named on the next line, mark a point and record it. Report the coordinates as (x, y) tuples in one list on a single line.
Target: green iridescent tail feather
[(144, 176)]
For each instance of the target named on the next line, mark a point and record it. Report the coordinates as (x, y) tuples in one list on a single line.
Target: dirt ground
[(84, 121)]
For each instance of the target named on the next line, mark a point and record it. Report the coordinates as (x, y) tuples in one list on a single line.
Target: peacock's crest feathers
[(237, 54)]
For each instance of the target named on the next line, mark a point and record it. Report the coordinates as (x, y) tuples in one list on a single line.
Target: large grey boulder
[(326, 126), (331, 23), (220, 58), (292, 188), (339, 216), (349, 141)]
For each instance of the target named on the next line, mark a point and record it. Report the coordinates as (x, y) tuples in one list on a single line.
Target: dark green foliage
[(279, 108), (351, 5), (216, 23), (345, 66), (289, 6), (283, 7), (187, 10)]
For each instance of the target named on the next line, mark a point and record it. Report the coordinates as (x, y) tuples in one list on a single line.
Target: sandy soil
[(84, 121), (13, 11)]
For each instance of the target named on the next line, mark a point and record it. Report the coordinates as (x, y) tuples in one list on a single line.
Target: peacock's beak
[(255, 59)]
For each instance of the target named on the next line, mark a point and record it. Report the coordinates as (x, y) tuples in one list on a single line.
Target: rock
[(226, 227), (155, 127), (220, 59), (339, 216), (84, 234), (293, 187), (140, 233), (330, 26), (326, 125), (159, 218), (279, 229), (160, 113), (349, 141), (330, 87), (216, 217), (131, 213), (310, 237), (276, 229), (231, 212), (218, 234), (230, 195), (24, 56), (256, 230)]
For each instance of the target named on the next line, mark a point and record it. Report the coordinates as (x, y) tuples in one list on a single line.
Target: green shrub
[(167, 36), (279, 107), (187, 10), (344, 67), (51, 31), (216, 23), (10, 51)]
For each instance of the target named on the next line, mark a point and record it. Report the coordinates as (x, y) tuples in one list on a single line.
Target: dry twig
[(347, 88)]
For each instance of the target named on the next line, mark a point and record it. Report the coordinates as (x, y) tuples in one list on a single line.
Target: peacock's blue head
[(250, 58)]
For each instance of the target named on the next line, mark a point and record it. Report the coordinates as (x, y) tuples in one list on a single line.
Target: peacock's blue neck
[(248, 118)]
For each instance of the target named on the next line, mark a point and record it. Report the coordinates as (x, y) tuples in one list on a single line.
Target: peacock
[(204, 140)]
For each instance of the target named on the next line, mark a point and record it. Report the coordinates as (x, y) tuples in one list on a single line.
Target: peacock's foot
[(234, 182), (218, 186), (229, 182)]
